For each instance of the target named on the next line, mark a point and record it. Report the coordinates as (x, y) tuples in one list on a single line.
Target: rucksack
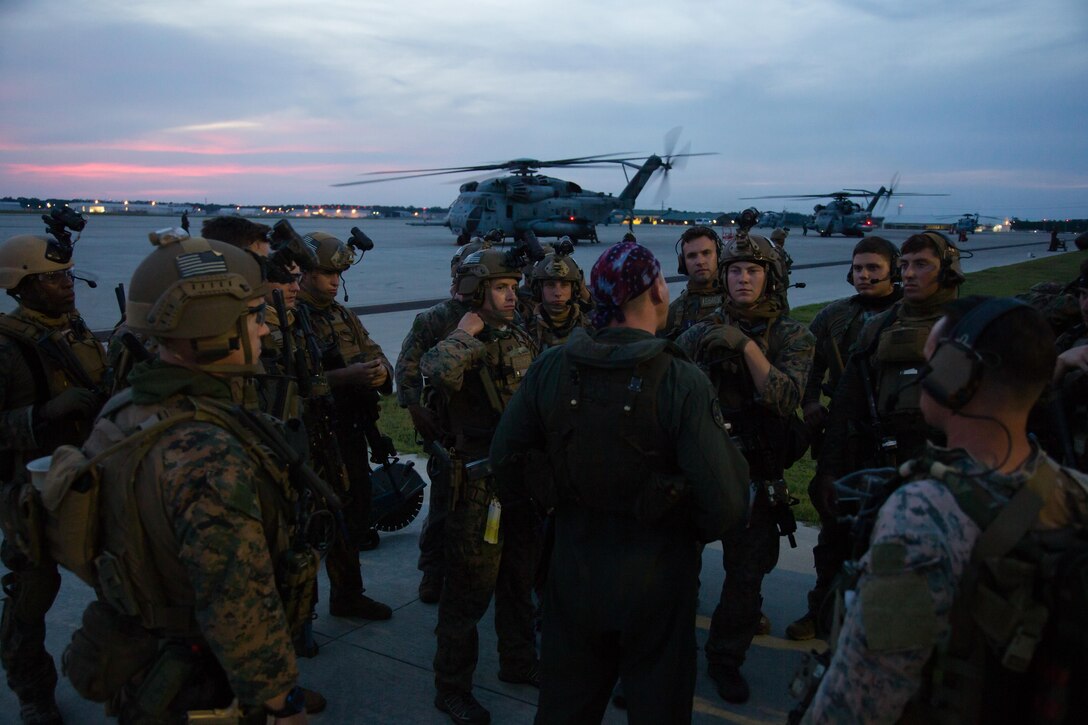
[(1019, 623)]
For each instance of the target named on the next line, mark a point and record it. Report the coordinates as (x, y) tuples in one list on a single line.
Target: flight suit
[(634, 500)]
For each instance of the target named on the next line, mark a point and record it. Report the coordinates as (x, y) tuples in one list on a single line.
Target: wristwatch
[(292, 705)]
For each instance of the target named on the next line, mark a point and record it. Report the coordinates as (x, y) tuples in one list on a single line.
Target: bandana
[(622, 273)]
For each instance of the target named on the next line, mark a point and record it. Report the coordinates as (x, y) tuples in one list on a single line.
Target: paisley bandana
[(622, 273)]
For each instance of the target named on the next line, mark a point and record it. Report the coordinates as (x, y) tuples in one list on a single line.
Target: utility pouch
[(70, 499), (114, 585), (166, 678), (22, 519), (108, 651), (659, 495), (296, 574)]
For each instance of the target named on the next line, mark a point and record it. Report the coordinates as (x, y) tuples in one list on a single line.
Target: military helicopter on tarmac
[(772, 218), (843, 215), (967, 223), (549, 207)]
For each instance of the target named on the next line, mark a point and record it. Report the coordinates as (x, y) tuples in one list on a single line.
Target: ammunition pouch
[(70, 499), (474, 482), (22, 519), (296, 581), (107, 652)]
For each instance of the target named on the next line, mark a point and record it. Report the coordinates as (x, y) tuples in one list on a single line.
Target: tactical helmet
[(475, 244), (557, 267), (191, 288), (332, 254), (25, 255), (481, 265), (757, 248)]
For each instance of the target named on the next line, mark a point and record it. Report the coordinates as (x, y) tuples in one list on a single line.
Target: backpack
[(1019, 623)]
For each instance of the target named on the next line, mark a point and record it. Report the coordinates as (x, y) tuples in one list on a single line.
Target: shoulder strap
[(1019, 515)]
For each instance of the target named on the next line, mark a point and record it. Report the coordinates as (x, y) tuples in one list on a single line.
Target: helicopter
[(772, 218), (968, 223), (843, 215), (527, 201)]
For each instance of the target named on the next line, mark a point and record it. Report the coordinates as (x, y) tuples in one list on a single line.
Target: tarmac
[(380, 672)]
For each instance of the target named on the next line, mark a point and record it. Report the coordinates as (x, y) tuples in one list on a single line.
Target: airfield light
[(571, 218)]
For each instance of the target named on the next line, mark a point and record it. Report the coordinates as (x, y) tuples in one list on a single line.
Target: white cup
[(37, 469)]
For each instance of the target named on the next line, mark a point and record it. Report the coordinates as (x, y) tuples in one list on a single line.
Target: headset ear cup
[(952, 375), (850, 275), (681, 265)]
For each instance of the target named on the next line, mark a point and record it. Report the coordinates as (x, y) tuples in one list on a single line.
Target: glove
[(725, 337), (815, 416), (73, 402)]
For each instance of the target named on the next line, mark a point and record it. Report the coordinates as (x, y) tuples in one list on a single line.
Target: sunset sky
[(240, 101)]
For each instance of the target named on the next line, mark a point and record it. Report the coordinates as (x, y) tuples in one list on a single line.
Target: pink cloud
[(105, 170)]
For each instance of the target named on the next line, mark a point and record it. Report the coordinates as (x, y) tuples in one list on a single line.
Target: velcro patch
[(897, 612), (198, 264)]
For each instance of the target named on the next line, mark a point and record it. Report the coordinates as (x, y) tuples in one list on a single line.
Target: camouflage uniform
[(751, 552), (836, 328), (343, 341), (691, 307), (547, 332), (475, 377), (29, 378), (605, 608), (215, 521), (890, 346), (428, 328), (923, 539)]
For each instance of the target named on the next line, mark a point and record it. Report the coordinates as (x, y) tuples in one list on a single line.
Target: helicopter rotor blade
[(663, 189), (680, 160), (671, 137)]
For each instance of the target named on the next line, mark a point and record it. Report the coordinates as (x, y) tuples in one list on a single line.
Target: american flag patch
[(311, 243), (201, 263)]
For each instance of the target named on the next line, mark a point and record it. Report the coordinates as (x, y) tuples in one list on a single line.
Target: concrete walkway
[(380, 672)]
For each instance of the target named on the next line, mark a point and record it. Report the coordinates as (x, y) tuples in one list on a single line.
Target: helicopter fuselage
[(844, 217)]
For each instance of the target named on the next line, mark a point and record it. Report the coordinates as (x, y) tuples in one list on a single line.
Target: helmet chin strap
[(217, 348)]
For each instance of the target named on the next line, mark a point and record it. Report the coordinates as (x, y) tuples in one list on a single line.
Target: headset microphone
[(90, 282)]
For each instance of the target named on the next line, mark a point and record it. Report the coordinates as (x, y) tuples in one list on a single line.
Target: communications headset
[(949, 275), (890, 250), (955, 369), (692, 234)]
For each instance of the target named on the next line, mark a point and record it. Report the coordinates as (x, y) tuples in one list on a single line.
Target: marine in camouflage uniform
[(901, 622), (874, 273), (197, 514), (622, 589), (758, 360), (357, 370), (700, 252), (428, 328), (883, 369), (475, 370), (556, 287), (51, 370)]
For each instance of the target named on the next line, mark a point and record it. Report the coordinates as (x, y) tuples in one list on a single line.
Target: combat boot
[(462, 707), (40, 712), (526, 676), (359, 605), (430, 588), (803, 629), (731, 683), (315, 701)]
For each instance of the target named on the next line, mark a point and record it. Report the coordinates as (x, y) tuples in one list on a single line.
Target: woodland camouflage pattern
[(428, 328), (786, 343)]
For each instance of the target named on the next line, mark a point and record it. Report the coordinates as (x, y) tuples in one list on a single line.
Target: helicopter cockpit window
[(489, 203), (573, 188), (470, 186)]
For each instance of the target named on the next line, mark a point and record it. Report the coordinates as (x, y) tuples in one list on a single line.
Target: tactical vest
[(473, 412), (1018, 635), (899, 356), (59, 358), (605, 441), (547, 332), (694, 307), (136, 568), (340, 334)]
